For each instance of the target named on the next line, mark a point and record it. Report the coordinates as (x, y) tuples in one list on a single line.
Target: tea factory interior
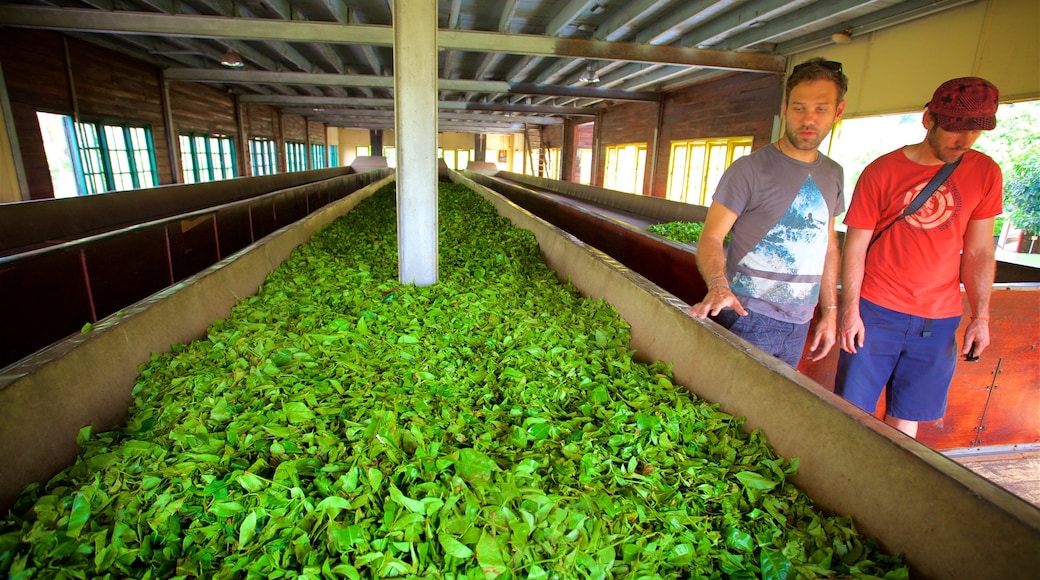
[(160, 158)]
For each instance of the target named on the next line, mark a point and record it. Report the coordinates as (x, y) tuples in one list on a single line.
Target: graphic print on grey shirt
[(778, 243)]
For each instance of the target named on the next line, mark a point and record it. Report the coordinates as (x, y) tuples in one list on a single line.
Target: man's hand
[(977, 334), (824, 336), (714, 301), (851, 331)]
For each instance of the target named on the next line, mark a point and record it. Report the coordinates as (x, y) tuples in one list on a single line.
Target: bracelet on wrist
[(716, 278), (828, 307), (717, 286), (980, 318)]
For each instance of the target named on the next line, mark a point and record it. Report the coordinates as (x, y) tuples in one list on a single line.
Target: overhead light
[(843, 37), (232, 60), (590, 75)]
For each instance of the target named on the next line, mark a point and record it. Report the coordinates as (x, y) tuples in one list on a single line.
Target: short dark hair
[(817, 69)]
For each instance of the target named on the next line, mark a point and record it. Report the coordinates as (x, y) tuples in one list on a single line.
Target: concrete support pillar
[(415, 117)]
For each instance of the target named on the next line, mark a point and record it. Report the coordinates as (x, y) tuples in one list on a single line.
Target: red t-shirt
[(914, 267)]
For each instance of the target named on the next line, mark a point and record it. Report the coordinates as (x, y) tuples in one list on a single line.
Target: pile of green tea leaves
[(682, 232), (339, 424)]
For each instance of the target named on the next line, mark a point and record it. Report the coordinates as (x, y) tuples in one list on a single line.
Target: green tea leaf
[(335, 504), (755, 480), (491, 557), (775, 565), (453, 547), (412, 505), (79, 516), (297, 412), (226, 509), (250, 482), (739, 540), (247, 531), (472, 465)]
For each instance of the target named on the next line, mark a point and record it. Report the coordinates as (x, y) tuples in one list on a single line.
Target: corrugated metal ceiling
[(504, 62)]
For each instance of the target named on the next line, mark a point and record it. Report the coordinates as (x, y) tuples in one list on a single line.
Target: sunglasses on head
[(831, 65)]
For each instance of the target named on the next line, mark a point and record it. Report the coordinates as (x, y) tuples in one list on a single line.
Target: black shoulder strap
[(919, 200)]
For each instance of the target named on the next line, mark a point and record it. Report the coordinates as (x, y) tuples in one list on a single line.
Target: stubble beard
[(802, 144), (944, 155)]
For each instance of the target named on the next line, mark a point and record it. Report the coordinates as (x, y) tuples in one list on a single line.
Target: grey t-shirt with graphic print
[(779, 241)]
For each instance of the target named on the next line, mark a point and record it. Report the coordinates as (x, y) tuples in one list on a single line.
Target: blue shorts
[(917, 369), (784, 340)]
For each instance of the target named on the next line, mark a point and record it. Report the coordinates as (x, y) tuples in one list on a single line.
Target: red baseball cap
[(965, 104)]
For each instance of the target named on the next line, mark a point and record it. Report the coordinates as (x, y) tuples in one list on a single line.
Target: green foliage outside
[(340, 424), (1015, 146)]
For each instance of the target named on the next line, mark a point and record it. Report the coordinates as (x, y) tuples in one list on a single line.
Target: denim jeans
[(784, 340)]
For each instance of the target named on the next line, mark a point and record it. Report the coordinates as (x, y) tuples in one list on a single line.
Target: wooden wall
[(102, 85), (552, 136), (294, 129), (316, 132), (201, 108), (106, 88)]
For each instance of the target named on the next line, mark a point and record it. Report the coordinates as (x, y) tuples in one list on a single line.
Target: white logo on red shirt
[(937, 212)]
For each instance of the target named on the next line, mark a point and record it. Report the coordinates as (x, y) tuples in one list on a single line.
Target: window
[(696, 166), (551, 159), (457, 159), (207, 157), (333, 155), (585, 166), (391, 156), (552, 163), (318, 159), (110, 157), (363, 151), (625, 167), (295, 156), (262, 154)]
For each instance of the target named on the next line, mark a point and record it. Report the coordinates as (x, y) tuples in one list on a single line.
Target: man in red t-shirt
[(901, 277)]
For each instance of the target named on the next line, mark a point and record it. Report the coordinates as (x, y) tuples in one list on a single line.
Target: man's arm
[(711, 261), (853, 263), (977, 269), (826, 325)]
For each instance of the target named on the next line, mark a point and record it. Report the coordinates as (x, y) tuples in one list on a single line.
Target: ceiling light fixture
[(231, 59), (843, 37), (590, 75)]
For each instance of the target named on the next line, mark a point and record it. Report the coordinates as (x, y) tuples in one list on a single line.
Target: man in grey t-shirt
[(780, 203)]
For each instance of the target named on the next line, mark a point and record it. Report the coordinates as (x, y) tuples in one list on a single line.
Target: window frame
[(209, 154), (701, 156), (456, 159), (102, 165), (295, 156), (611, 169), (263, 156), (318, 159)]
